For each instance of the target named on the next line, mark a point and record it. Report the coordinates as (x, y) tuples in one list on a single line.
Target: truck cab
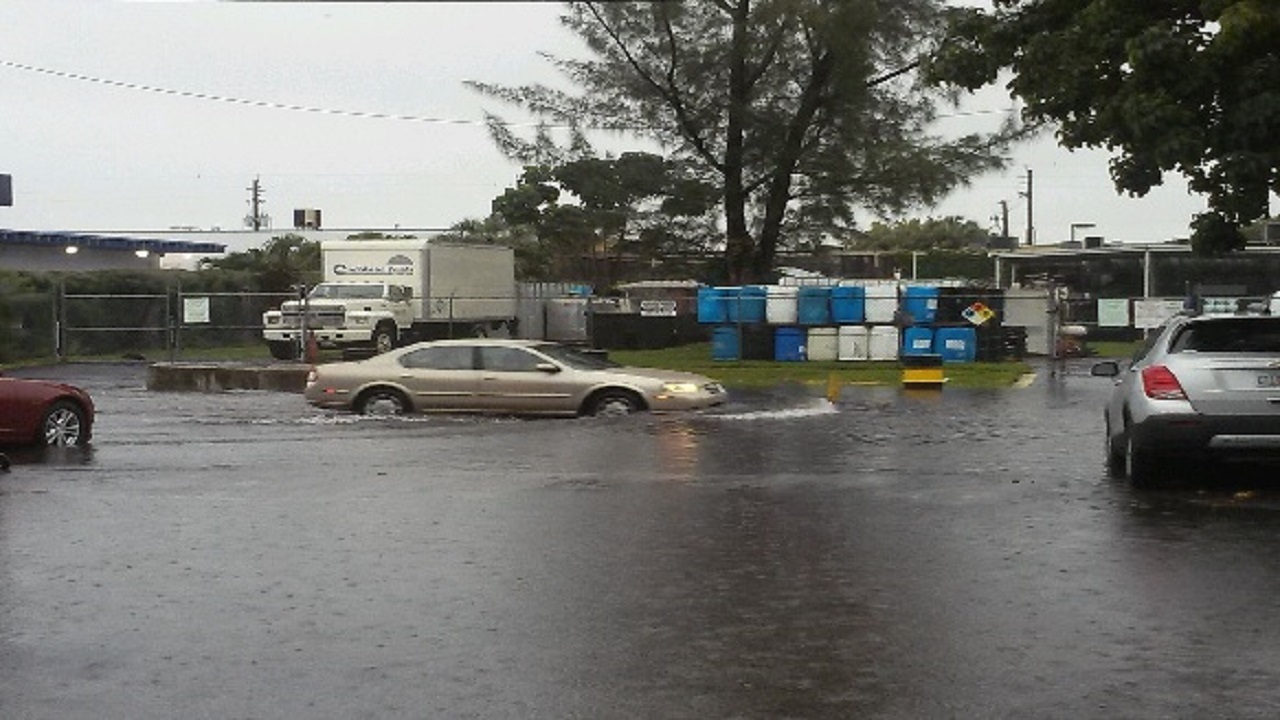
[(341, 314)]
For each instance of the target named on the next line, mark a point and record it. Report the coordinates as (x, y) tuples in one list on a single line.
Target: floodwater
[(891, 554)]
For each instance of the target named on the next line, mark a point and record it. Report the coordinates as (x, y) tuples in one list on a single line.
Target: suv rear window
[(1230, 336)]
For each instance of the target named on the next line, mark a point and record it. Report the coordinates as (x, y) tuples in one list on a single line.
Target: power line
[(362, 114), (234, 100)]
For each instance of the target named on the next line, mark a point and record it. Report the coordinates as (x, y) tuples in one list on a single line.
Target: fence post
[(59, 319), (175, 323)]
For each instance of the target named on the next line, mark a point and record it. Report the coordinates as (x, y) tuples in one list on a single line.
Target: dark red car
[(42, 412)]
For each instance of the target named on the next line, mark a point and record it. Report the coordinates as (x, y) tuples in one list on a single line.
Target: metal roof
[(1031, 252), (106, 242)]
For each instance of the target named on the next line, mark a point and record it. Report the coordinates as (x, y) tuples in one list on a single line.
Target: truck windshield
[(346, 292)]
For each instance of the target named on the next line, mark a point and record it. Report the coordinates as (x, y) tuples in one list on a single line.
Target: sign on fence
[(1113, 312), (1151, 313), (657, 308), (195, 310)]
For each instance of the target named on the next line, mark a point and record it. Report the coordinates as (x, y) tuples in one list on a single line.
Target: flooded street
[(890, 555)]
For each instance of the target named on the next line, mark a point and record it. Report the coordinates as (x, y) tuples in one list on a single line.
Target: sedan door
[(441, 377), (519, 381), (20, 411)]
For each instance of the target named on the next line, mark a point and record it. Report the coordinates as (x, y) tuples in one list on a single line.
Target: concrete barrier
[(211, 377)]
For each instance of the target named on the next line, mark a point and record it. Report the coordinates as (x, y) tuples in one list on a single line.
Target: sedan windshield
[(577, 358)]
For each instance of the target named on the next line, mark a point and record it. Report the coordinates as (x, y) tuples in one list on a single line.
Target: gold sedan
[(512, 377)]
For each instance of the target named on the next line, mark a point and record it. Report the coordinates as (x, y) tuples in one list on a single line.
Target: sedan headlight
[(679, 388)]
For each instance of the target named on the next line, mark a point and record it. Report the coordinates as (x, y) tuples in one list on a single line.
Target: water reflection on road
[(890, 554)]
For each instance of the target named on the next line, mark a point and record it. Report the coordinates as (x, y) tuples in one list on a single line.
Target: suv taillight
[(1159, 383)]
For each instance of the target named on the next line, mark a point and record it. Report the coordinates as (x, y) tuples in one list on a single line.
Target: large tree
[(1176, 85), (799, 111), (589, 210)]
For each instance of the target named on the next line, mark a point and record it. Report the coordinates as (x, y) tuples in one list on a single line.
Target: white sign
[(195, 310), (657, 308), (1151, 313), (395, 265), (1113, 312)]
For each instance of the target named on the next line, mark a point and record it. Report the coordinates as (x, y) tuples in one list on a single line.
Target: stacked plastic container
[(850, 321)]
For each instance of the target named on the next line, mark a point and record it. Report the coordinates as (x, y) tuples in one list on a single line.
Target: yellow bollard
[(833, 388), (922, 371)]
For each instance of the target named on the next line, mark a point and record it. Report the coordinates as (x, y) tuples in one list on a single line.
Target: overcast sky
[(151, 115)]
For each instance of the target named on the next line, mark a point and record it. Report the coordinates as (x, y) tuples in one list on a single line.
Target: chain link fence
[(28, 325), (154, 324)]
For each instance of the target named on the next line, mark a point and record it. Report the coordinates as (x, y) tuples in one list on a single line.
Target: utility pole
[(256, 219), (1004, 219), (1031, 228)]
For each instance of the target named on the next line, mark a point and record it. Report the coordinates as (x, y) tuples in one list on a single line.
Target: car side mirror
[(549, 368), (1106, 368)]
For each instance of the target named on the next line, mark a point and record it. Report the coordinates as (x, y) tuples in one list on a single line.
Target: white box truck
[(378, 294)]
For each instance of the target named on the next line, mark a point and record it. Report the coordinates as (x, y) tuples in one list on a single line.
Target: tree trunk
[(739, 245)]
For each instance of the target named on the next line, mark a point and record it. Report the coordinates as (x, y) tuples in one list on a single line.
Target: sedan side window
[(453, 357), (505, 359)]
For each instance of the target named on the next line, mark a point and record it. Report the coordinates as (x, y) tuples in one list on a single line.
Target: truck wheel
[(384, 339), (283, 349), (382, 401)]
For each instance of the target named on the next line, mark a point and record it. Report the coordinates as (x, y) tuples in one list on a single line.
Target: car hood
[(49, 388), (50, 384), (660, 375)]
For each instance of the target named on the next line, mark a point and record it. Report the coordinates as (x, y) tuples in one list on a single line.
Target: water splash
[(817, 407)]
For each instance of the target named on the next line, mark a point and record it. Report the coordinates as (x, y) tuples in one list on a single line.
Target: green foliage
[(1183, 86), (637, 204), (763, 373), (281, 263), (531, 258), (972, 265), (949, 233), (798, 112), (109, 312)]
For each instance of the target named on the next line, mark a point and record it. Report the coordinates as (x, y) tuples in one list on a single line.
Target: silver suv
[(1200, 388)]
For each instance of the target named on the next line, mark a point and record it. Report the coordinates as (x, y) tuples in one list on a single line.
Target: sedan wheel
[(63, 425), (1115, 459), (1139, 465), (382, 402), (614, 402)]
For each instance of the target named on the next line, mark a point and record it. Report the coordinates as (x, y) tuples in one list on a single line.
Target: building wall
[(40, 258)]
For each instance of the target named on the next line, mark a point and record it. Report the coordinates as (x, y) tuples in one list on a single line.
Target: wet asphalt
[(894, 554)]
